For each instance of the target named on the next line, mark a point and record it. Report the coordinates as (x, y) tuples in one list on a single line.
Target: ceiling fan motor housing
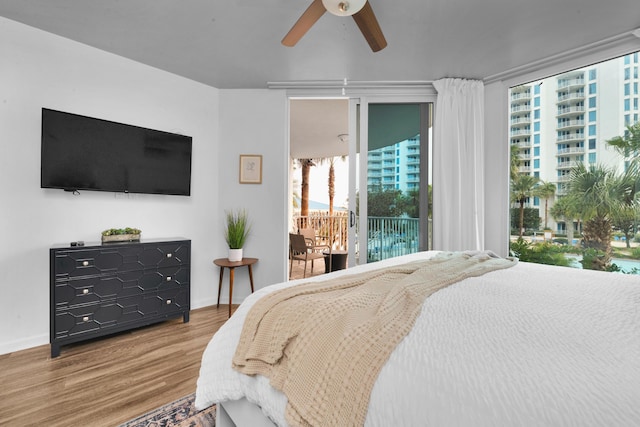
[(342, 7)]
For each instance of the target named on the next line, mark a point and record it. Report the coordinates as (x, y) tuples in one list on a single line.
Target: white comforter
[(530, 345)]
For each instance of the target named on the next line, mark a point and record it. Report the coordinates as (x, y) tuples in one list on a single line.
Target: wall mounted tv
[(84, 153)]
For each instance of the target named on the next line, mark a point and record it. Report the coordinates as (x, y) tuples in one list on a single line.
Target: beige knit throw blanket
[(323, 344)]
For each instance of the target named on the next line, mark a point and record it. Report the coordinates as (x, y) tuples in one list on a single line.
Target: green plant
[(237, 228), (120, 231), (542, 253)]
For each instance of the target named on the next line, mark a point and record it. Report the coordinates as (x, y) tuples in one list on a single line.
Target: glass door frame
[(358, 152)]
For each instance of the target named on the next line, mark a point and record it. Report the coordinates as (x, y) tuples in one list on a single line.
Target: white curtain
[(458, 164)]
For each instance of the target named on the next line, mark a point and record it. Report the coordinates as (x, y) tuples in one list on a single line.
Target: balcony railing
[(388, 237), (330, 230), (391, 237)]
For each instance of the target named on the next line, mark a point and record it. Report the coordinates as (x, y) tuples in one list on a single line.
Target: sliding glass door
[(390, 179)]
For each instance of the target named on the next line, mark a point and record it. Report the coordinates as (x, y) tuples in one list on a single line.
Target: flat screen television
[(85, 153)]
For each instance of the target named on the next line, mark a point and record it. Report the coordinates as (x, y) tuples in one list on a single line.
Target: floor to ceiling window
[(575, 167)]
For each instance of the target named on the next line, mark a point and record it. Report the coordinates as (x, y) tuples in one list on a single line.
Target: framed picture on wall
[(250, 169)]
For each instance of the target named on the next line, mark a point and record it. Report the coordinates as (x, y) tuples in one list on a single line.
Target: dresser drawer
[(86, 290), (124, 310)]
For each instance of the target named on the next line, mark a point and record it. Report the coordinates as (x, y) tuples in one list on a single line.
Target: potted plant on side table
[(236, 232)]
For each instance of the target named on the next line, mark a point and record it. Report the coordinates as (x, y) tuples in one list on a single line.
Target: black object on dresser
[(103, 288)]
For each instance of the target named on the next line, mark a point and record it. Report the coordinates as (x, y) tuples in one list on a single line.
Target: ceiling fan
[(360, 10)]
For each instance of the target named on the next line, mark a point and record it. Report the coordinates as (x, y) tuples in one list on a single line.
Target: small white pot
[(235, 255)]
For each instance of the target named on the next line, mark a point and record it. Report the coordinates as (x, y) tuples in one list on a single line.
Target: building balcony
[(521, 96), (569, 138), (521, 108), (564, 178), (524, 169), (524, 156), (571, 150), (566, 165), (522, 144), (570, 124), (574, 96), (570, 83), (519, 120), (520, 132), (571, 110)]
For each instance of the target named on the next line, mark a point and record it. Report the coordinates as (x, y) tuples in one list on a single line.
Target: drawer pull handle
[(168, 278), (85, 263), (169, 255), (168, 301), (85, 291), (85, 319)]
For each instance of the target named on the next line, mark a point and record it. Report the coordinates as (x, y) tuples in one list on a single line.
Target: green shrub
[(539, 253)]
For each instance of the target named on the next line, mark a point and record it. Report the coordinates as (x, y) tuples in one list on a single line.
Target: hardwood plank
[(107, 381)]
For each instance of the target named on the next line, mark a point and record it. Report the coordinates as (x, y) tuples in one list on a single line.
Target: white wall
[(38, 70), (254, 122)]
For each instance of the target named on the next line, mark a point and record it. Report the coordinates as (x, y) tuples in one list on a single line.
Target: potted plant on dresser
[(236, 232)]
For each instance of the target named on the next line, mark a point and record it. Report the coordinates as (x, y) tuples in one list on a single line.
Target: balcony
[(521, 96), (566, 165), (518, 120), (521, 108), (570, 150), (522, 144), (520, 132), (574, 96), (572, 110), (570, 83), (569, 138), (570, 124)]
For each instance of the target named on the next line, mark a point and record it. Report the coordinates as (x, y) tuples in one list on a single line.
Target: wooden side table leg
[(250, 277), (220, 285), (231, 274)]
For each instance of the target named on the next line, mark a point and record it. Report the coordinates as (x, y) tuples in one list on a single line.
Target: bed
[(520, 346)]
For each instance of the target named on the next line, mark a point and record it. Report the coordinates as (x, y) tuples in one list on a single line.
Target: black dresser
[(103, 288)]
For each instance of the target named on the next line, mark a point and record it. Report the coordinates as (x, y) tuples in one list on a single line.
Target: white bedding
[(530, 345)]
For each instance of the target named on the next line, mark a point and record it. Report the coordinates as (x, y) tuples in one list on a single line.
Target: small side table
[(231, 265)]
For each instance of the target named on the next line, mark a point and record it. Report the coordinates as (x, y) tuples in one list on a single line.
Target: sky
[(318, 186)]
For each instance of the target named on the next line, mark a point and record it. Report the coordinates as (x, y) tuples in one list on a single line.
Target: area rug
[(180, 413)]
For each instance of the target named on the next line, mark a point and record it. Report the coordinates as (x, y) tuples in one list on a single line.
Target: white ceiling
[(236, 43)]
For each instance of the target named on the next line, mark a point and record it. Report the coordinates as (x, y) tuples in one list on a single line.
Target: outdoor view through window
[(575, 168)]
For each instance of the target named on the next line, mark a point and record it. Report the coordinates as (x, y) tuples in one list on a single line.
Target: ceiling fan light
[(343, 7)]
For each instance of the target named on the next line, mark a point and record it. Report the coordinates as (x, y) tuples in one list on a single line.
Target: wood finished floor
[(108, 381)]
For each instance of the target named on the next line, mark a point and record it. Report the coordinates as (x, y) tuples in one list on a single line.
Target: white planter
[(235, 255)]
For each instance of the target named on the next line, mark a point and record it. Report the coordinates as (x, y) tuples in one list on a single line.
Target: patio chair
[(299, 250), (311, 238)]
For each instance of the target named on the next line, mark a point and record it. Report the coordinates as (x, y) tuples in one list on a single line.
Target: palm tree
[(628, 144), (522, 187), (306, 165), (596, 191), (563, 211), (514, 161), (545, 190), (332, 180)]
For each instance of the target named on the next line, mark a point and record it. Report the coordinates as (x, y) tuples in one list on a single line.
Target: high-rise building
[(395, 167), (563, 120)]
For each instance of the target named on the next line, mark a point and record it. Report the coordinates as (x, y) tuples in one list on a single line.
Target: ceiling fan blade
[(306, 21), (370, 28)]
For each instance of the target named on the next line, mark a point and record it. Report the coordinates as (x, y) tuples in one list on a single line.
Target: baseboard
[(23, 344), (35, 341)]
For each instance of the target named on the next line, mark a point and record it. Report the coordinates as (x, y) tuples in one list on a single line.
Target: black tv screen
[(84, 153)]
